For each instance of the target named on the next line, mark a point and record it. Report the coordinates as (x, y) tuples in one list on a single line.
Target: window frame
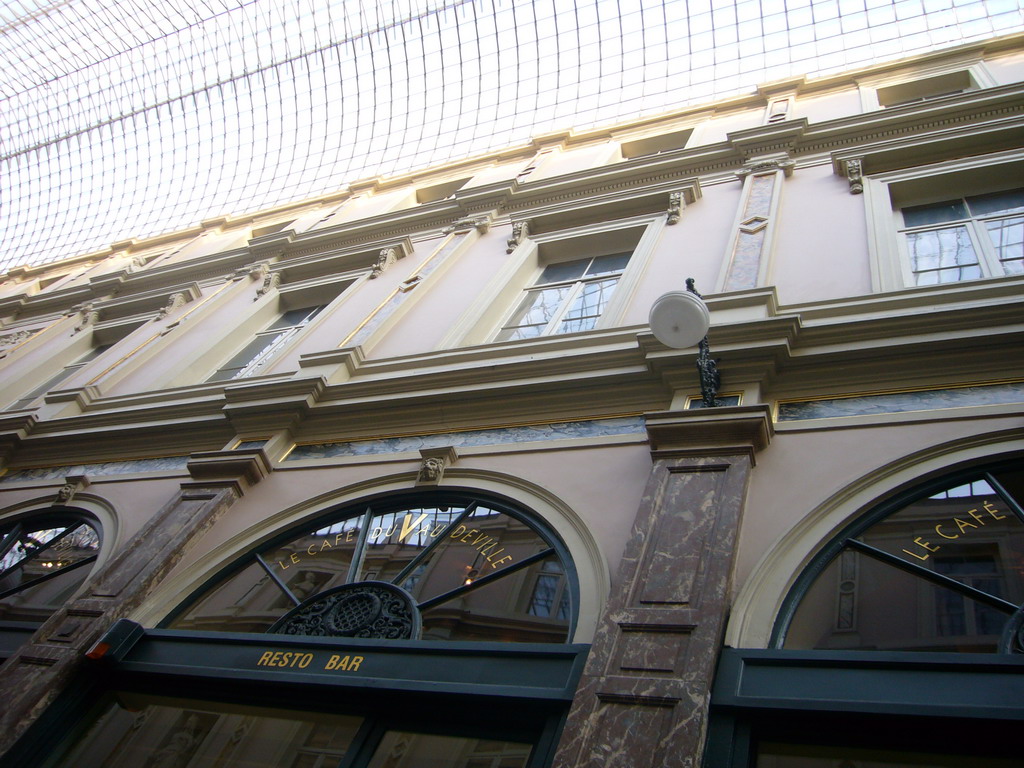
[(277, 340), (886, 194), (873, 89), (483, 320)]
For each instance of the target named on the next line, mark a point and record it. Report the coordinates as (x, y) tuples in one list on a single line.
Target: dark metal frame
[(847, 538), (426, 687), (393, 502)]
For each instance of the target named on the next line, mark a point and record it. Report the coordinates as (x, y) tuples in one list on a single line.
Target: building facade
[(400, 476)]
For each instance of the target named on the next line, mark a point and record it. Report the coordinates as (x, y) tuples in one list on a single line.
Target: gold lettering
[(437, 530), (459, 530), (295, 558), (491, 545), (974, 513), (305, 660), (914, 554), (937, 527), (285, 659), (505, 559), (479, 538), (356, 661), (377, 532), (491, 557), (265, 659), (408, 527), (992, 511), (349, 535), (275, 659), (961, 523), (338, 538), (465, 539), (391, 531), (926, 544), (332, 662), (309, 550), (283, 566)]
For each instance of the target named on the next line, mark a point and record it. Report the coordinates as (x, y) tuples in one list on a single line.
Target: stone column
[(41, 669), (643, 698)]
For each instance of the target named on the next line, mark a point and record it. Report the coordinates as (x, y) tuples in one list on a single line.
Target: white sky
[(135, 118)]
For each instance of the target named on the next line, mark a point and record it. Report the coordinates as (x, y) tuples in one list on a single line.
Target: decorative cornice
[(724, 430)]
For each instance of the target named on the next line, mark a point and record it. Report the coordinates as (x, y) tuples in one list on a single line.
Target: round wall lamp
[(680, 319)]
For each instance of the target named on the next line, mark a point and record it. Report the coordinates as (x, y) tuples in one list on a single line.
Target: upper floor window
[(255, 355), (655, 145), (925, 89), (64, 373), (568, 296), (965, 238)]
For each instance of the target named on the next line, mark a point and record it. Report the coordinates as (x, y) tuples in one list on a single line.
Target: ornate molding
[(385, 259), (766, 164), (481, 225), (370, 609), (520, 231), (14, 339)]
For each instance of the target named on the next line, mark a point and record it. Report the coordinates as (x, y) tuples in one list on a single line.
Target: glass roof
[(131, 118)]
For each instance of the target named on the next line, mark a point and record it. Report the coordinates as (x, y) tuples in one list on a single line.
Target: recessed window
[(255, 355), (66, 372), (568, 296), (655, 145), (965, 238), (925, 89), (440, 191)]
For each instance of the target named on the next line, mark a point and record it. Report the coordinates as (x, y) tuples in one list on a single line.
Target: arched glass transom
[(43, 560), (938, 569), (442, 566)]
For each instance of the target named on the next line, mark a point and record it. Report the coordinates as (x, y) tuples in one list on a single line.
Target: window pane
[(948, 251), (400, 749), (997, 202), (587, 306), (145, 732), (935, 213), (243, 358), (563, 271), (294, 317), (606, 265), (536, 310), (1008, 240)]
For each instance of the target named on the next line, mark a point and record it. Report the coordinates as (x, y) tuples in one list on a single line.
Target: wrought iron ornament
[(372, 609), (707, 367)]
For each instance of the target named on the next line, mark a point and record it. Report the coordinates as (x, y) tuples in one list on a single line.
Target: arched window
[(938, 569), (433, 566), (329, 644), (898, 644), (44, 558)]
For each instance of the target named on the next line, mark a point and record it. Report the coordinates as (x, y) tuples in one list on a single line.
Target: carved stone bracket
[(520, 231), (481, 225), (854, 173), (767, 163), (271, 281), (385, 259), (87, 316), (676, 203), (72, 485), (257, 270), (434, 462), (174, 301)]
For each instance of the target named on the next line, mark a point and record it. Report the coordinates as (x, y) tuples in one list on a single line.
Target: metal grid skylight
[(130, 118)]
